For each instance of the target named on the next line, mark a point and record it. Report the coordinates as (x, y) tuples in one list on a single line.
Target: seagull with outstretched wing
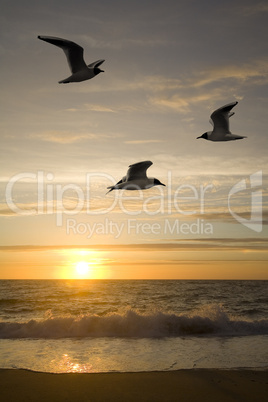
[(75, 57), (220, 121), (136, 178)]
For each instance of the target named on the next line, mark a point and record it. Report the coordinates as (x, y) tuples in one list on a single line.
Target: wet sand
[(183, 385)]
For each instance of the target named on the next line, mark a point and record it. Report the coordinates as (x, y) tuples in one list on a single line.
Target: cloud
[(61, 137), (68, 137), (226, 217), (181, 102), (181, 93), (99, 108), (256, 71), (204, 197), (136, 142), (258, 244)]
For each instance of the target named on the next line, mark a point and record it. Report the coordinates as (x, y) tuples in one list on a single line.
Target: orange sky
[(132, 262), (167, 68)]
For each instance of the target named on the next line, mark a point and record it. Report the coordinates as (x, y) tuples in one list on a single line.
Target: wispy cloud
[(179, 96), (204, 197), (137, 142), (176, 244), (62, 137), (180, 93), (68, 137), (256, 72), (99, 108)]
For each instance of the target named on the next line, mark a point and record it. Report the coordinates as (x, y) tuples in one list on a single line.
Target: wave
[(212, 320)]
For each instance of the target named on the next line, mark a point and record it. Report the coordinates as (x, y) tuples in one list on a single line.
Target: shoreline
[(221, 385)]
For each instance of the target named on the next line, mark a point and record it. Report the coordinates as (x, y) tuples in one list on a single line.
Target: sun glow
[(82, 264), (82, 268)]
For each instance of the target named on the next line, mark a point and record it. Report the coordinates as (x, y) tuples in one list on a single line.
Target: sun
[(82, 268), (84, 264)]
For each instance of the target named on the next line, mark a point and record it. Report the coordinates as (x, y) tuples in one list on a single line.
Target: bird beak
[(199, 137), (162, 184)]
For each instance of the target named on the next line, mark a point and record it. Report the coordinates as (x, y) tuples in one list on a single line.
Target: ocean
[(133, 325)]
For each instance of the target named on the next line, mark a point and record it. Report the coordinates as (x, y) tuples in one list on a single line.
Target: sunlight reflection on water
[(66, 365)]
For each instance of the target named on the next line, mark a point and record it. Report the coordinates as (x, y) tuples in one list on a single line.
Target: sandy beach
[(183, 385)]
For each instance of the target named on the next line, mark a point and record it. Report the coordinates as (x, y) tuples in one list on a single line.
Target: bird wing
[(73, 52), (230, 115), (111, 188), (96, 63), (220, 117), (138, 170), (121, 181)]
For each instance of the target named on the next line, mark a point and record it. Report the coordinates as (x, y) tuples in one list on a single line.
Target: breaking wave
[(212, 320)]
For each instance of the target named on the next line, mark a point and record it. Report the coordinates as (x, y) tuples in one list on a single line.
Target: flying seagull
[(74, 53), (136, 178), (220, 120)]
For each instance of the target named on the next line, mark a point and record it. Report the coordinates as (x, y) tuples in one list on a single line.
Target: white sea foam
[(211, 320)]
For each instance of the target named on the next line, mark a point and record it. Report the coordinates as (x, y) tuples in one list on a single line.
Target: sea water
[(132, 325)]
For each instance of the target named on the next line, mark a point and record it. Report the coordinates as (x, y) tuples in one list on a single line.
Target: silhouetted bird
[(136, 178), (74, 53), (220, 120)]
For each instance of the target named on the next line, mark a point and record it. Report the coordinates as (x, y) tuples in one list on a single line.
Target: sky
[(168, 66)]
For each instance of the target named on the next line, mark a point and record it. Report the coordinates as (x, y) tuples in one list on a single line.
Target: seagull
[(136, 178), (220, 120), (74, 53)]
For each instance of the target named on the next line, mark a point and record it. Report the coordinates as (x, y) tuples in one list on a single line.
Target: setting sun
[(82, 264), (82, 268)]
